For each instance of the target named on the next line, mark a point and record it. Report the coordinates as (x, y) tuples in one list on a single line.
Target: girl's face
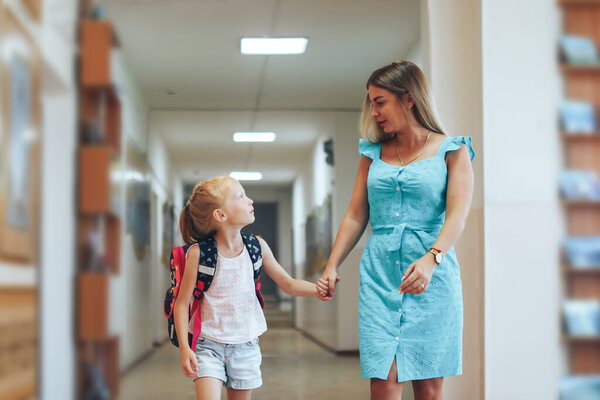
[(389, 112), (238, 207)]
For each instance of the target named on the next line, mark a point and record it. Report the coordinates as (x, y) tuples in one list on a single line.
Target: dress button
[(397, 214), (397, 262), (397, 188), (397, 338), (399, 310)]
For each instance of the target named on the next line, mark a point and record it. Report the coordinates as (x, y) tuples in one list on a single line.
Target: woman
[(415, 185)]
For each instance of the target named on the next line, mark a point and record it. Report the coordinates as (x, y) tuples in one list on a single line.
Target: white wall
[(504, 68), (346, 167), (452, 56), (142, 283), (521, 161), (334, 323), (311, 188), (57, 261)]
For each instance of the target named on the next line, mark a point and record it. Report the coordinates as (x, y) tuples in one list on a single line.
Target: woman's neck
[(411, 137)]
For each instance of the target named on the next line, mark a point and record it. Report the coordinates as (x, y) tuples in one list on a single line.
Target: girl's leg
[(208, 388), (387, 389), (235, 394), (428, 389)]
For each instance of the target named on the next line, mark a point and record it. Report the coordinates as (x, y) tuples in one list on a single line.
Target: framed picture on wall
[(137, 201), (168, 236), (20, 71)]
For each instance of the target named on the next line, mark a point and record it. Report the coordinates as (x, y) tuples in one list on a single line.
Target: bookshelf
[(581, 151), (98, 221)]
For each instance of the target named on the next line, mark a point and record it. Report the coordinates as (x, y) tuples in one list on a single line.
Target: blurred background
[(112, 110)]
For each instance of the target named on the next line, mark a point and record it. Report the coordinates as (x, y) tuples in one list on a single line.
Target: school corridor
[(112, 110)]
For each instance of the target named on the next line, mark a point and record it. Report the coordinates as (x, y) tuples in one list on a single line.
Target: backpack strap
[(207, 265), (253, 246)]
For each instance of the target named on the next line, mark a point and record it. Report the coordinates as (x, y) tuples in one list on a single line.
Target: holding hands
[(326, 284)]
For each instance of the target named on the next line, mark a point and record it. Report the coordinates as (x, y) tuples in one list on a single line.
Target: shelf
[(103, 354), (92, 313), (583, 286), (579, 2), (580, 271), (575, 68), (585, 356), (581, 136), (100, 117), (581, 339), (581, 203), (109, 226), (94, 179), (97, 40)]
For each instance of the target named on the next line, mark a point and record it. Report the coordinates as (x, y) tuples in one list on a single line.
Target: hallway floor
[(293, 368)]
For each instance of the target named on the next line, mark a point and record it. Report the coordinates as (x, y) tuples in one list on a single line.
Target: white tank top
[(231, 312)]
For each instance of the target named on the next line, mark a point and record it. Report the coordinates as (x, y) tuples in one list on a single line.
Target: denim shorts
[(237, 365)]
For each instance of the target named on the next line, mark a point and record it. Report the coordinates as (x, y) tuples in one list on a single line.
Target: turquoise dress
[(407, 206)]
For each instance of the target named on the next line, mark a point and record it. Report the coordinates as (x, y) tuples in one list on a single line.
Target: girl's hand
[(189, 365), (322, 289), (326, 284), (418, 275)]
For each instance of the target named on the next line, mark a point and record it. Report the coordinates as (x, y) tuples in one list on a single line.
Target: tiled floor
[(293, 368)]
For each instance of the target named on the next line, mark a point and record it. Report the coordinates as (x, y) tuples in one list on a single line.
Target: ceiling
[(191, 48)]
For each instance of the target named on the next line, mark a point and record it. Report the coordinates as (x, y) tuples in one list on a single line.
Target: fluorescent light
[(273, 45), (246, 176), (254, 136)]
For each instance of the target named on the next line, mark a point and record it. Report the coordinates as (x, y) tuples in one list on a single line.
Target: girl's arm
[(352, 227), (189, 364), (458, 202), (291, 286)]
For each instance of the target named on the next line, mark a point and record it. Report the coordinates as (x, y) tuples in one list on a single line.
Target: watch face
[(438, 258)]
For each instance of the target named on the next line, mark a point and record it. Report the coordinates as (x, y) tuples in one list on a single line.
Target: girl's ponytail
[(196, 220), (186, 225)]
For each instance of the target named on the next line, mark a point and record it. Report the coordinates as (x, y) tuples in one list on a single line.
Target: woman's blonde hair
[(400, 78), (196, 220)]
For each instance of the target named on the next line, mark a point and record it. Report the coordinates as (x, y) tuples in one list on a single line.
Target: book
[(578, 50), (577, 387), (577, 116), (582, 317), (577, 184), (583, 251)]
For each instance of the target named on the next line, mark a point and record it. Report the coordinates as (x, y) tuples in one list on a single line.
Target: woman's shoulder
[(371, 150), (453, 143)]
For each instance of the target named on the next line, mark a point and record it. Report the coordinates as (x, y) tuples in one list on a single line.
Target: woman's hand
[(189, 365), (326, 284), (418, 275)]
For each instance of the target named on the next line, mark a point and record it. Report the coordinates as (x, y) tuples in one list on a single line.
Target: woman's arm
[(181, 309), (291, 286), (459, 195), (352, 227), (458, 198)]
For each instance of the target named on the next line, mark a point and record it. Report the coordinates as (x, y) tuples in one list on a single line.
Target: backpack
[(206, 272)]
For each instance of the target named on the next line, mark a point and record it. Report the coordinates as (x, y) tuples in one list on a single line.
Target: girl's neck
[(229, 240)]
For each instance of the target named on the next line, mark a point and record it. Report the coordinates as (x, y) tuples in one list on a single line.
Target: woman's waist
[(384, 229)]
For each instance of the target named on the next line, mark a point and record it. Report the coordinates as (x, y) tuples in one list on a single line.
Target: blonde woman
[(415, 185)]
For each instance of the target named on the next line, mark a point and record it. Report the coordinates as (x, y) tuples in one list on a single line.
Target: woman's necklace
[(415, 157)]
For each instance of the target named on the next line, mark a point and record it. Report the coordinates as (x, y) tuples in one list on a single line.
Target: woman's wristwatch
[(437, 254)]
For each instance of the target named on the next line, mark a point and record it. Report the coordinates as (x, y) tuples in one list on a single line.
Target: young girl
[(227, 350)]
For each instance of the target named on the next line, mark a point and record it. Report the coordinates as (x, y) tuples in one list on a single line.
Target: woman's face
[(238, 207), (389, 112)]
